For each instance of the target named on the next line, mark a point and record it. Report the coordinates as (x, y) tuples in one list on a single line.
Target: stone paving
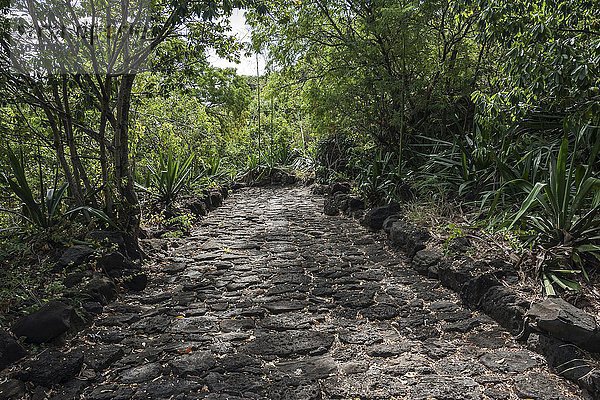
[(270, 299)]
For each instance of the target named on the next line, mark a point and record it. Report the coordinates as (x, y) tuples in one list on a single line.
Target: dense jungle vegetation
[(487, 107)]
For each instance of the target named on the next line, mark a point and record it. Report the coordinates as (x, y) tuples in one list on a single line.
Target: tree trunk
[(129, 208)]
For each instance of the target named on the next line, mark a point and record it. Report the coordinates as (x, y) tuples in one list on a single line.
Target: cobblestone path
[(270, 299)]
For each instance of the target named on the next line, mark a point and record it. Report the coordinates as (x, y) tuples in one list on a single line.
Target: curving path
[(270, 299)]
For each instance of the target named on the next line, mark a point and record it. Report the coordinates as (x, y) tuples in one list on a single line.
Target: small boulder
[(51, 367), (46, 324), (73, 279), (565, 360), (408, 237), (74, 256), (215, 199), (566, 322), (10, 350), (426, 262), (389, 221), (319, 190), (142, 373), (136, 282), (355, 204), (101, 357), (93, 307), (375, 217), (114, 261), (505, 307), (330, 207), (459, 244), (454, 277), (341, 200), (473, 291), (101, 289), (197, 207)]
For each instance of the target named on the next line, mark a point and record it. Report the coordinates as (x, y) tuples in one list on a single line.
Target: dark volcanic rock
[(354, 204), (375, 217), (537, 386), (566, 360), (74, 256), (474, 290), (142, 373), (195, 364), (215, 199), (101, 289), (10, 350), (93, 307), (136, 282), (389, 221), (447, 388), (330, 207), (49, 322), (408, 237), (74, 278), (380, 312), (278, 307), (12, 389), (197, 206), (239, 362), (111, 391), (509, 361), (169, 388), (503, 305), (113, 262), (101, 357), (460, 244), (290, 343), (566, 322), (309, 367), (453, 278), (426, 262), (51, 367)]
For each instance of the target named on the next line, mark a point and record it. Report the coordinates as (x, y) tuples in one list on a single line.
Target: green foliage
[(567, 222), (178, 226), (550, 54), (379, 176), (48, 210), (169, 177), (42, 213)]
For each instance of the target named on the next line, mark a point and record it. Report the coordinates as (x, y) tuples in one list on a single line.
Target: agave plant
[(40, 212), (169, 178), (379, 177), (567, 224), (45, 212)]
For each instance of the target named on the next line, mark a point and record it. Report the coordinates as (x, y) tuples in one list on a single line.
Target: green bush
[(564, 214)]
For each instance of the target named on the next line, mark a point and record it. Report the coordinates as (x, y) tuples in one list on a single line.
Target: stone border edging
[(550, 327), (563, 334)]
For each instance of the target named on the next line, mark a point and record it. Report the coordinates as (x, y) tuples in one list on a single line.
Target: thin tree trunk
[(129, 212), (74, 153)]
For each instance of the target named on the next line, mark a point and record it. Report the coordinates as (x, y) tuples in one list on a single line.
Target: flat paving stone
[(268, 298)]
